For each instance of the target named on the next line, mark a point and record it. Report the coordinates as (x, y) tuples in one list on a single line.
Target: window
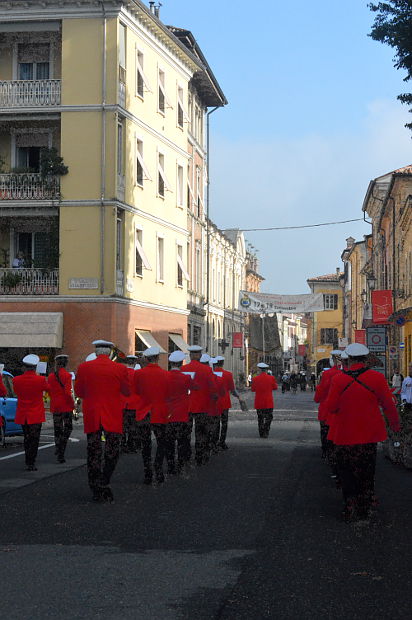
[(141, 261), (199, 202), (180, 185), (34, 61), (142, 172), (160, 259), (119, 241), (122, 53), (181, 269), (162, 182), (140, 82), (161, 105), (28, 158), (330, 302), (182, 114), (198, 269), (329, 336), (120, 147), (197, 334)]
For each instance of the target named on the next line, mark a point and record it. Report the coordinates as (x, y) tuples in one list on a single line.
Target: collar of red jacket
[(357, 365)]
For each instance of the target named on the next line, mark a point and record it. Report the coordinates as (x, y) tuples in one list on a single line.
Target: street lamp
[(371, 281)]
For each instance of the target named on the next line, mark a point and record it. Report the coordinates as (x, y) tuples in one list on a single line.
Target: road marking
[(11, 456)]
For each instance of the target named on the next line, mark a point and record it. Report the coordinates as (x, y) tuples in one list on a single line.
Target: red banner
[(302, 350), (360, 336), (382, 306), (237, 340)]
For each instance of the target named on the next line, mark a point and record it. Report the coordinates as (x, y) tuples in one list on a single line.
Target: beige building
[(103, 249)]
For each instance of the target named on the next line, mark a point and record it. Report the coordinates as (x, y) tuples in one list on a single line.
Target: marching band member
[(179, 429), (61, 404), (263, 386)]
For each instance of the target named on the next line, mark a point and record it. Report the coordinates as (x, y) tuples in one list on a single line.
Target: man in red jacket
[(321, 394), (101, 383), (199, 403), (179, 429), (130, 441), (263, 386), (355, 400), (61, 404), (29, 389), (151, 384), (225, 402)]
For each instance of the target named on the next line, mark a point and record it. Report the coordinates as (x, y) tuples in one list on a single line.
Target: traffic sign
[(401, 345), (376, 339)]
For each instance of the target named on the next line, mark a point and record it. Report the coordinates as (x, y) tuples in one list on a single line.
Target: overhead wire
[(359, 219)]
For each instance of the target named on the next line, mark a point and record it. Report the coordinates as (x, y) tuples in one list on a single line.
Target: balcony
[(29, 93), (29, 281), (29, 186)]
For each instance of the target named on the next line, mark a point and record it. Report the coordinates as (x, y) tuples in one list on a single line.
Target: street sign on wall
[(376, 339)]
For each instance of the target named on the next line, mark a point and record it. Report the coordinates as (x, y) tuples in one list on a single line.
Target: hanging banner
[(360, 336), (264, 303), (237, 340), (382, 306), (302, 350)]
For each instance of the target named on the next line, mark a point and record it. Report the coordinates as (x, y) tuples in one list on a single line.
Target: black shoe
[(160, 478), (147, 479), (97, 494), (61, 459), (223, 446), (107, 495), (31, 468)]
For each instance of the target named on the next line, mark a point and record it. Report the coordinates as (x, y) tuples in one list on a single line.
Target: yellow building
[(102, 248), (357, 301), (326, 326)]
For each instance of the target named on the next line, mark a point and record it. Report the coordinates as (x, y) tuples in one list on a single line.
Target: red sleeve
[(124, 381), (79, 386), (3, 391), (275, 385), (334, 392), (386, 402), (322, 388)]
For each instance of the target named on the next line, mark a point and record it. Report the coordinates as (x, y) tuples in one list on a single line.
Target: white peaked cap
[(262, 365), (344, 355), (91, 357), (103, 343), (177, 356), (205, 359), (31, 360), (152, 352), (61, 355), (336, 352), (357, 350), (219, 358), (194, 348), (131, 358), (212, 361)]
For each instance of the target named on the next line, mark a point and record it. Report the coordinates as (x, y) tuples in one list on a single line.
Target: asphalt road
[(253, 534)]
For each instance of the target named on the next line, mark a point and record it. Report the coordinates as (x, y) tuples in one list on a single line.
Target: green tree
[(393, 26)]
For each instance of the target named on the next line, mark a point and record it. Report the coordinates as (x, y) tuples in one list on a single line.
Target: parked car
[(8, 410)]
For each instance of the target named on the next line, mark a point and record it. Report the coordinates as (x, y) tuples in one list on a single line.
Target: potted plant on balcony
[(51, 166), (10, 280)]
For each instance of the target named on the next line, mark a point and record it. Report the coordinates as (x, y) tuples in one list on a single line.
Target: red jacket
[(151, 383), (178, 396), (61, 399), (29, 389), (3, 391), (354, 409), (263, 386), (134, 402), (101, 384), (214, 407), (224, 401), (205, 384), (322, 391)]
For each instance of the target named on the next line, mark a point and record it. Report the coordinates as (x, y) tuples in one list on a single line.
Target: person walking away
[(321, 394), (396, 383), (285, 382), (303, 382), (151, 383), (293, 383), (215, 409), (130, 441), (225, 402), (263, 386), (61, 404), (312, 382), (355, 399), (199, 401), (102, 384), (29, 389), (406, 390), (179, 429)]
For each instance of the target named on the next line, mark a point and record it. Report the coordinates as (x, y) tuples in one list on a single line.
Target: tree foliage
[(393, 26)]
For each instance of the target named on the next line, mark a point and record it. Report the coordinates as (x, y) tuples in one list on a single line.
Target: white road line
[(11, 456)]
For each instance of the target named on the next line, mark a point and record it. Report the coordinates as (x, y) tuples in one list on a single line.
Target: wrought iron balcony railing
[(28, 186), (29, 281), (29, 93)]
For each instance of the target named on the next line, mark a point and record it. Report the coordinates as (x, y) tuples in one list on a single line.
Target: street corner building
[(103, 170)]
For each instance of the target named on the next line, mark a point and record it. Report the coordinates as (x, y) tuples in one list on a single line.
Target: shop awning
[(179, 342), (148, 339), (31, 329)]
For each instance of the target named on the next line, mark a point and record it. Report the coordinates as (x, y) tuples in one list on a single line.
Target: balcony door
[(35, 247), (34, 61), (28, 158)]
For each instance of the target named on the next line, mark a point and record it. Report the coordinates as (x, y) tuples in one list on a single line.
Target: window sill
[(138, 275), (141, 97)]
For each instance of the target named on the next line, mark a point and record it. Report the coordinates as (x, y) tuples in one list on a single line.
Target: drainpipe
[(207, 223), (103, 152)]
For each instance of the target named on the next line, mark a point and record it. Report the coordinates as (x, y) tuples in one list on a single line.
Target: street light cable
[(359, 219)]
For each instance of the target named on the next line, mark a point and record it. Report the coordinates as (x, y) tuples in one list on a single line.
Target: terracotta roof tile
[(329, 277)]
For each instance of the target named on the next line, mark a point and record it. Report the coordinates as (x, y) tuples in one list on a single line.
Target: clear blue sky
[(312, 117)]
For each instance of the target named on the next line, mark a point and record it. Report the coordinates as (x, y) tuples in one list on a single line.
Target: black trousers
[(31, 434), (130, 432), (102, 457), (356, 469), (162, 447), (63, 426), (324, 429), (223, 423), (201, 425), (214, 427), (265, 417), (144, 436), (178, 435)]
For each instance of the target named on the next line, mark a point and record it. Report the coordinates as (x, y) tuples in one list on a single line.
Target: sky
[(312, 118)]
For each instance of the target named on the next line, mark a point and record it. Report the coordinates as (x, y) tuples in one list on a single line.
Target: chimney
[(349, 242), (338, 271), (152, 7)]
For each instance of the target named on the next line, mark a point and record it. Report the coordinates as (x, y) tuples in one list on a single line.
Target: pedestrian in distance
[(178, 429), (29, 389), (102, 384), (151, 384), (225, 402), (406, 390), (199, 402), (61, 404), (263, 385), (356, 397)]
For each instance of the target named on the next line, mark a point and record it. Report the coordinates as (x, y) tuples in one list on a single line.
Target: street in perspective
[(205, 310)]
